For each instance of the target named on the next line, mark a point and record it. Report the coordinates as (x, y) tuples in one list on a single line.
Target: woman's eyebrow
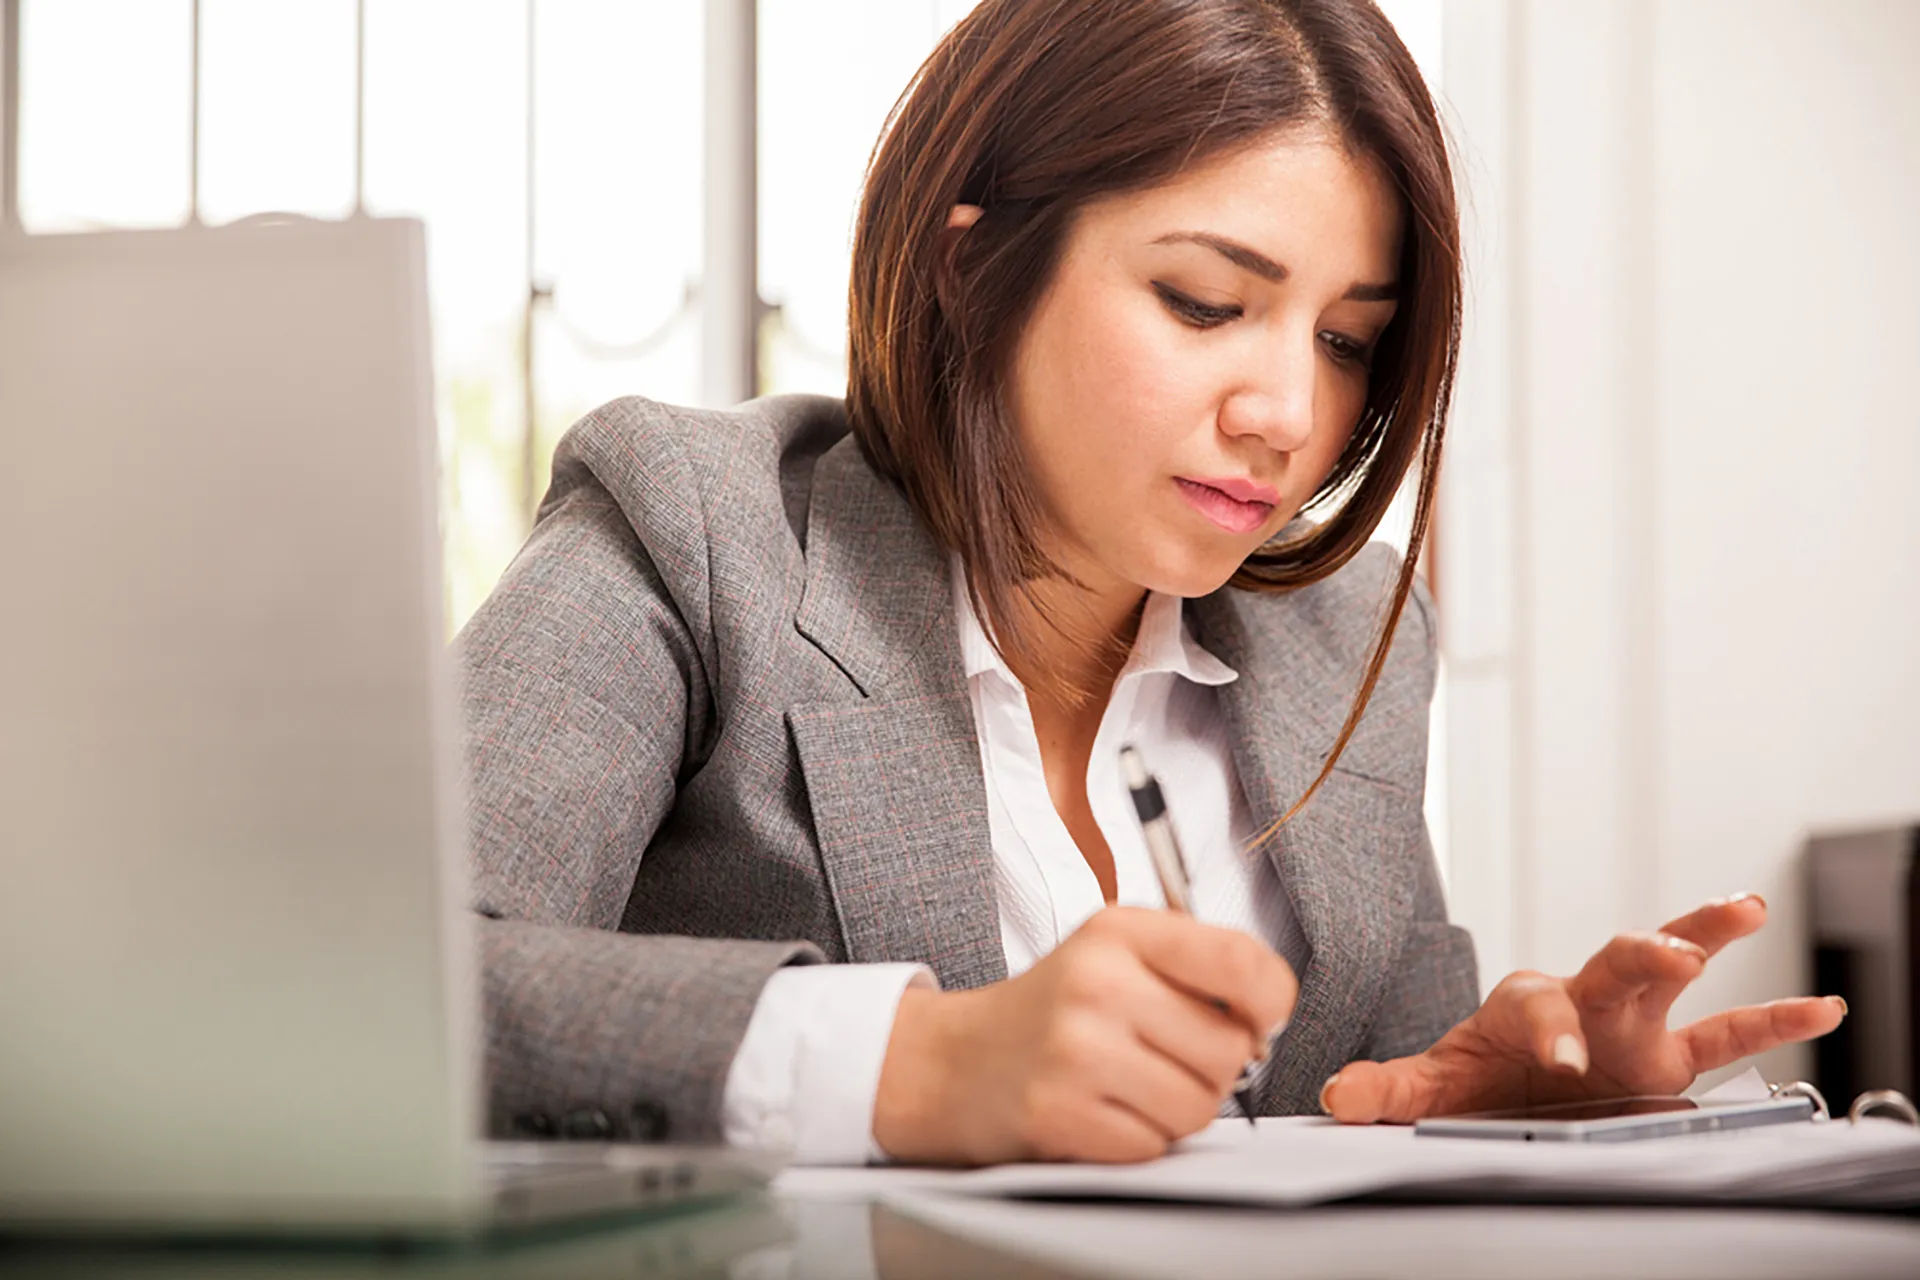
[(1250, 259)]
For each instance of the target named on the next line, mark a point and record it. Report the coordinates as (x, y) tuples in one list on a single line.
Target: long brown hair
[(1030, 109)]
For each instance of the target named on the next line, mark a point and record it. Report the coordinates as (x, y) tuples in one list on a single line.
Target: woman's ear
[(959, 218)]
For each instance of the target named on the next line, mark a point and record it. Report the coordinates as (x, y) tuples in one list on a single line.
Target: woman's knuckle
[(1074, 1046), (1277, 1002), (1239, 961), (1524, 983), (1092, 978)]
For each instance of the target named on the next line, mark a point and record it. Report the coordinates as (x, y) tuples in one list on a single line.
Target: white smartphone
[(1615, 1120)]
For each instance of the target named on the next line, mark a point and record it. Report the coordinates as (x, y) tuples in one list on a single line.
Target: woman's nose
[(1276, 405)]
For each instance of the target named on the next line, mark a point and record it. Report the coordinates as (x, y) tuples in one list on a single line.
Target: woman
[(1154, 304)]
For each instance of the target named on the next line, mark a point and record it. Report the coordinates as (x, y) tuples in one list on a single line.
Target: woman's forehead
[(1285, 197)]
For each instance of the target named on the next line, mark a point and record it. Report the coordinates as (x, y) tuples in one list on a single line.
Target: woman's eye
[(1192, 310), (1348, 351)]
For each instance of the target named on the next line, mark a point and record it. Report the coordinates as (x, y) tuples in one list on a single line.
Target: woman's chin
[(1201, 572)]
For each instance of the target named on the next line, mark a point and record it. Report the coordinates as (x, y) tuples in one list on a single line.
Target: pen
[(1164, 851)]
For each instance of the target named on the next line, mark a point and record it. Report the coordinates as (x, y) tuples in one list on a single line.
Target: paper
[(1748, 1086), (1130, 1241), (1301, 1161)]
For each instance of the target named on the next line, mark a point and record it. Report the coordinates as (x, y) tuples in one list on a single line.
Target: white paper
[(1129, 1241), (1299, 1161), (1748, 1086), (1309, 1160)]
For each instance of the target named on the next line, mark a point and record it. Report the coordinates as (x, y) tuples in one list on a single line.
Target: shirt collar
[(1164, 643)]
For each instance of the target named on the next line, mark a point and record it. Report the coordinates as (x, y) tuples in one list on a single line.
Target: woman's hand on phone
[(1123, 1039), (1599, 1034)]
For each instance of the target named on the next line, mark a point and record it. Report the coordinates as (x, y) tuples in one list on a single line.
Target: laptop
[(237, 976)]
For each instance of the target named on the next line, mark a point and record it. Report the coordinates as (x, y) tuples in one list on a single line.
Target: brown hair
[(1031, 109)]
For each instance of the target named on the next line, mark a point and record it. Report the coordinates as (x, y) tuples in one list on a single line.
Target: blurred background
[(581, 167), (1678, 550)]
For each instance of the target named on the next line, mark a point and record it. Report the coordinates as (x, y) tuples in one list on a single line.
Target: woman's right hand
[(1123, 1039)]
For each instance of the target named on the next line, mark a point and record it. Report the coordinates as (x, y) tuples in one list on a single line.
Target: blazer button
[(587, 1123), (533, 1124), (647, 1121)]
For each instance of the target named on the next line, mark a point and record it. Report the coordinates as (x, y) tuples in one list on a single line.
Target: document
[(1299, 1160)]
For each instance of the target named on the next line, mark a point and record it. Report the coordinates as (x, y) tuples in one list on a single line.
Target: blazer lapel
[(892, 770), (1350, 896)]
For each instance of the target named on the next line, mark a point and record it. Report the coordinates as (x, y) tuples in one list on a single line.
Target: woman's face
[(1197, 363)]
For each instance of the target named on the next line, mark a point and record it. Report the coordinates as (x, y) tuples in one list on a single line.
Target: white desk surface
[(1140, 1241), (795, 1238)]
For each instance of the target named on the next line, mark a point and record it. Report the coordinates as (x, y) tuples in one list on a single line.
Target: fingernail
[(1682, 944), (1326, 1110), (1742, 897), (1841, 1001), (1570, 1053)]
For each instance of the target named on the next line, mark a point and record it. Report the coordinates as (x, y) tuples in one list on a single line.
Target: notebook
[(1865, 1160)]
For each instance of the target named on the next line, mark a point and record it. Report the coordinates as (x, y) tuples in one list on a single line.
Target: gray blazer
[(717, 723)]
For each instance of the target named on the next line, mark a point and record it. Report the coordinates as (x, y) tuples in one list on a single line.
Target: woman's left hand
[(1599, 1034)]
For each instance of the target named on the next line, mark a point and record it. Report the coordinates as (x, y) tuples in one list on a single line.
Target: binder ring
[(1892, 1099), (1801, 1089)]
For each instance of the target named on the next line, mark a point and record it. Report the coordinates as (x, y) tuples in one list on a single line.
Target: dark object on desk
[(1863, 910)]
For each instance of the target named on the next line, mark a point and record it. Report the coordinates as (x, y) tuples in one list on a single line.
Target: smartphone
[(1615, 1120)]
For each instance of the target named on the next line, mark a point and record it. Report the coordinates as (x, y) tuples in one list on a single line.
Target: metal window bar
[(731, 307), (536, 294), (359, 108), (193, 127), (728, 292), (10, 115)]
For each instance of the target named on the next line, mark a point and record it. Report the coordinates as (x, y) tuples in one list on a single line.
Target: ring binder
[(1892, 1099), (1801, 1089)]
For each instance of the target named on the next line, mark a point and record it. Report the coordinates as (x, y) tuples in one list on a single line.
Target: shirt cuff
[(807, 1070)]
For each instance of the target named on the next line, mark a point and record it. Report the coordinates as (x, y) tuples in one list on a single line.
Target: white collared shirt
[(807, 1071)]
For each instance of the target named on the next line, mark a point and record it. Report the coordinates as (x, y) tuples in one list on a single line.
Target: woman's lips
[(1225, 510)]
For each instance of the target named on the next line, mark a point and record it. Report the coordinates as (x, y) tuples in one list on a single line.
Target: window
[(816, 130)]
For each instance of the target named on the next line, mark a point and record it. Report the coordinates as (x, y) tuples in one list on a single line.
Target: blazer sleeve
[(585, 697), (1435, 982)]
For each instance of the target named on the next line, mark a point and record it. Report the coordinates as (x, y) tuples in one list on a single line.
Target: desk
[(766, 1238)]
